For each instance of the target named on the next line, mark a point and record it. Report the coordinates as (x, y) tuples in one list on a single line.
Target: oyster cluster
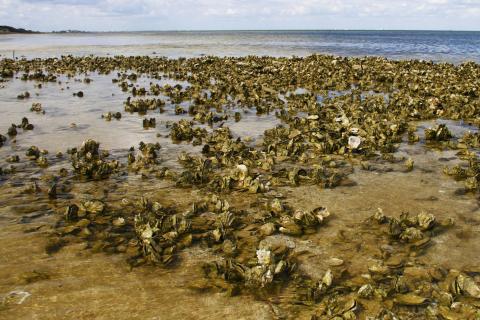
[(101, 228), (24, 95), (143, 105), (37, 107), (439, 133), (396, 287), (273, 265), (25, 125), (470, 174), (34, 153), (149, 123), (329, 115), (184, 130), (146, 156), (89, 163), (39, 75), (298, 222), (112, 115), (161, 233)]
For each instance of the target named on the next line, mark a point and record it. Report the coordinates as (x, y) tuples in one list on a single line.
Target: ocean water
[(439, 46)]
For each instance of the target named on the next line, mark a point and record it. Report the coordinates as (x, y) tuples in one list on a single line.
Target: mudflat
[(314, 187)]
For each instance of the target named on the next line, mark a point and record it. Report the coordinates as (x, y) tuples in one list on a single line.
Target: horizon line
[(253, 30)]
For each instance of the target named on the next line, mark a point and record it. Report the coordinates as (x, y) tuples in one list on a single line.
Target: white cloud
[(46, 15)]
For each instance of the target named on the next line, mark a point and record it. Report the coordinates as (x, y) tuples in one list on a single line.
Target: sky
[(140, 15)]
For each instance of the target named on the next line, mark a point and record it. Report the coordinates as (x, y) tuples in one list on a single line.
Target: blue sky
[(122, 15)]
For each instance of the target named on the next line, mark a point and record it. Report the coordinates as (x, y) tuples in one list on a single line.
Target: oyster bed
[(256, 187)]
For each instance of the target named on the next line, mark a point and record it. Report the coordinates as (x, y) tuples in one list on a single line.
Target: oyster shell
[(354, 142), (409, 300), (425, 220)]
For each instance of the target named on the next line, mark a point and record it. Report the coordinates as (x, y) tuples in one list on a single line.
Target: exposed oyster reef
[(253, 199)]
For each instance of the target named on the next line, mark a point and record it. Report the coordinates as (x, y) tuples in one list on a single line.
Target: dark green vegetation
[(8, 29)]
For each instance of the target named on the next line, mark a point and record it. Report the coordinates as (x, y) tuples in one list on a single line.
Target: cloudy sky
[(120, 15)]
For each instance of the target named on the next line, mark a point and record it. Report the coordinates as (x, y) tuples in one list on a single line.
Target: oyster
[(354, 142), (409, 300), (264, 256), (409, 163), (425, 220), (466, 285), (71, 213), (439, 133), (472, 184), (365, 291), (37, 107), (241, 172), (33, 153), (112, 115), (42, 162), (276, 206), (13, 158), (267, 229), (12, 130), (91, 206), (2, 140), (149, 123)]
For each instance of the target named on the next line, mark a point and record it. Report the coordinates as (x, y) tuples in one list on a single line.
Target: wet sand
[(83, 282)]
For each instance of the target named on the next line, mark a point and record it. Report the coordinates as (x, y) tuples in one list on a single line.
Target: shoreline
[(439, 47), (245, 31)]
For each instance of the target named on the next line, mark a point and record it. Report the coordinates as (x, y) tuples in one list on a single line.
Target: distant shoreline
[(281, 30), (13, 30)]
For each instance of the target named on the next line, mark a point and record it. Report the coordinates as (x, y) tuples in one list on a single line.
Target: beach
[(161, 177)]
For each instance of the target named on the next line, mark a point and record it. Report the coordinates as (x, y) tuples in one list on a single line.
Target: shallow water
[(69, 120), (429, 45)]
